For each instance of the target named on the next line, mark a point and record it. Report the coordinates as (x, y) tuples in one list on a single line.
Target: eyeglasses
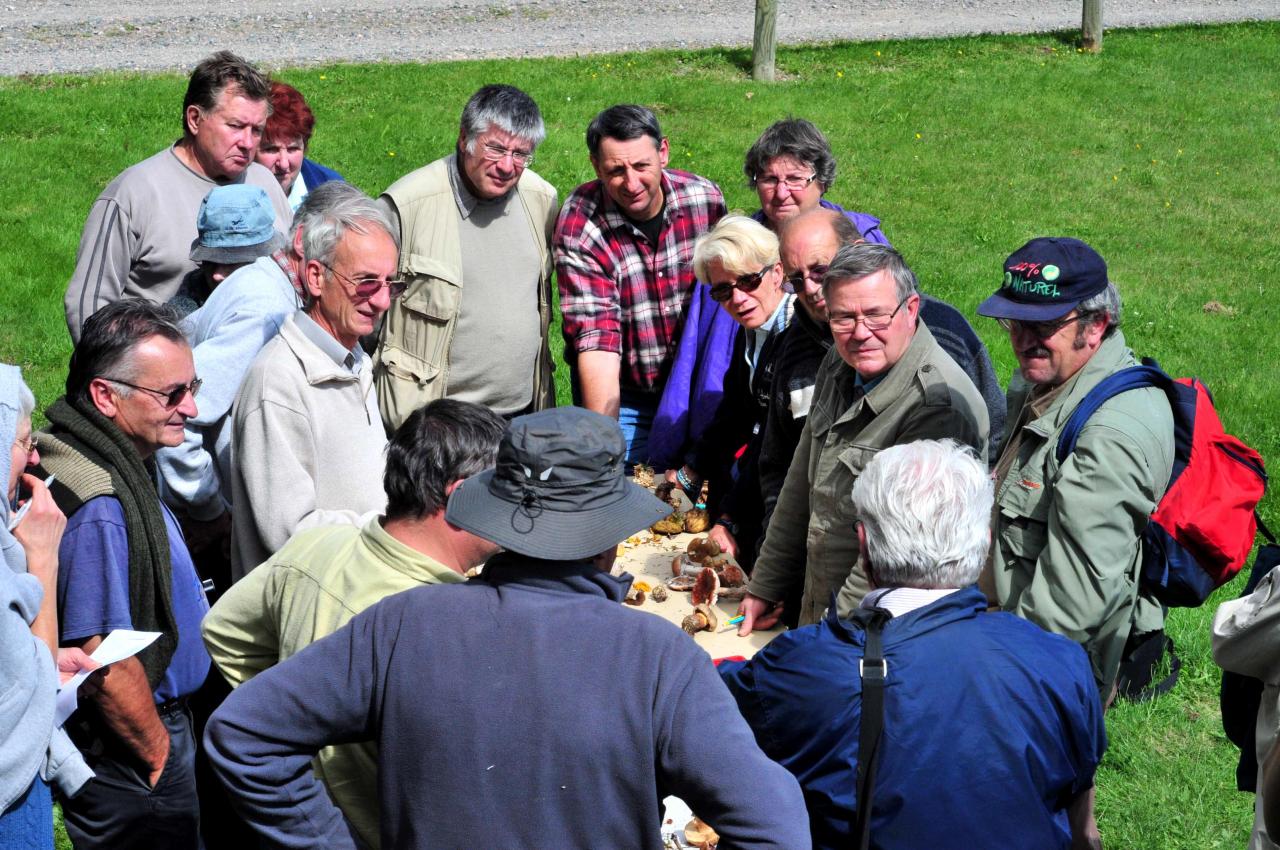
[(1039, 330), (496, 153), (794, 282), (746, 282), (29, 445), (794, 182), (170, 398), (368, 287), (872, 321)]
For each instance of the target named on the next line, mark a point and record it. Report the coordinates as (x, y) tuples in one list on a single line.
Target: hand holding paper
[(119, 645)]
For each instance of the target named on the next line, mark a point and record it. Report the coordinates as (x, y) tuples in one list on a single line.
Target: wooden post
[(1091, 26), (764, 45)]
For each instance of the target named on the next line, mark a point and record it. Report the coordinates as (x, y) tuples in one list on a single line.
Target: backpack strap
[(874, 669), (1149, 374)]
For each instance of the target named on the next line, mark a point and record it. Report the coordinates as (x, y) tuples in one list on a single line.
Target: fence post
[(1091, 26), (765, 43)]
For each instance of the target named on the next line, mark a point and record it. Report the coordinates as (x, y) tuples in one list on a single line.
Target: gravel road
[(42, 36)]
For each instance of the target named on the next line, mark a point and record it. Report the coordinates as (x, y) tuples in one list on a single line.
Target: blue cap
[(1045, 279), (236, 224)]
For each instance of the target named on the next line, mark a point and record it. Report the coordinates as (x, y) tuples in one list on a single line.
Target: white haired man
[(475, 227), (969, 693)]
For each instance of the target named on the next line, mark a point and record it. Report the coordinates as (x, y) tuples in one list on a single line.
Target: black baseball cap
[(1045, 279)]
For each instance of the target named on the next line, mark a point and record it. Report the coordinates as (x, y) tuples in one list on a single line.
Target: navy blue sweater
[(524, 708)]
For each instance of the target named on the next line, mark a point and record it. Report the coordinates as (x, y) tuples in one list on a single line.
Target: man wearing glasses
[(885, 382), (123, 565), (307, 441), (475, 227), (1066, 541)]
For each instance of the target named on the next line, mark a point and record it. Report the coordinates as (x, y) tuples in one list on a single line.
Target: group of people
[(301, 402)]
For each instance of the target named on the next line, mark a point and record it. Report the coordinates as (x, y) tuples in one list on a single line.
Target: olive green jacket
[(811, 535), (1067, 538), (411, 366)]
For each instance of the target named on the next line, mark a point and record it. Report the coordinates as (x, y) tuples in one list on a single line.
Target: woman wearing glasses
[(791, 167), (738, 268), (33, 751)]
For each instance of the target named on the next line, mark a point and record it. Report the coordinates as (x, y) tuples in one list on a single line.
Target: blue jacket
[(313, 174), (992, 726), (524, 708)]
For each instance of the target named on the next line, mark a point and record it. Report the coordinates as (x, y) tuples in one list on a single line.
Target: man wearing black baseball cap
[(1066, 545), (524, 708)]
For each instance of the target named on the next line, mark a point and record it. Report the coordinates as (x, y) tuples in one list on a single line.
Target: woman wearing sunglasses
[(738, 269)]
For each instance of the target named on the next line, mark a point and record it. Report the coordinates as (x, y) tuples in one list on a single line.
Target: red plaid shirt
[(617, 292)]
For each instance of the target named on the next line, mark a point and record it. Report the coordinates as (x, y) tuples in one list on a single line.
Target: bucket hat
[(558, 491), (236, 224)]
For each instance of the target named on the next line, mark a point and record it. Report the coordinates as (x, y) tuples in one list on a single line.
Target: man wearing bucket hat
[(524, 708), (236, 226), (1066, 537)]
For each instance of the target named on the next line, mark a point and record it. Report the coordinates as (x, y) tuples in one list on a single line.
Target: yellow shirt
[(309, 589)]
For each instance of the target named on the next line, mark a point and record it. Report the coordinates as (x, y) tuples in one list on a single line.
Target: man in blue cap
[(1066, 537), (523, 708)]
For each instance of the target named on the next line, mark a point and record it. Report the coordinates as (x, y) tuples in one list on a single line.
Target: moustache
[(1036, 351)]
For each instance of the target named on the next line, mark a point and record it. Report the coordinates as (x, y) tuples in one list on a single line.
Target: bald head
[(808, 242)]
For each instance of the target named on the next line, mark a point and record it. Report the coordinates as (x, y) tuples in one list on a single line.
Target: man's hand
[(40, 531), (73, 659), (129, 710), (722, 536), (758, 613)]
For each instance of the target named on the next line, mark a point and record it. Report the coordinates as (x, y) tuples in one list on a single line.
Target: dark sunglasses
[(746, 282), (170, 398), (794, 282)]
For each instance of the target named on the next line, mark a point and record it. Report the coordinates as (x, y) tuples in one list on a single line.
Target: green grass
[(1160, 152)]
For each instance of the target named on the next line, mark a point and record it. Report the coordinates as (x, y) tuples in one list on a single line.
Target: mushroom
[(673, 524), (643, 475), (703, 619), (683, 583), (706, 587), (732, 576), (659, 594), (701, 836), (635, 596), (701, 548), (697, 521)]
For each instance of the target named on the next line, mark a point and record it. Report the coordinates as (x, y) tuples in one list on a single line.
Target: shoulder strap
[(1149, 374), (874, 670)]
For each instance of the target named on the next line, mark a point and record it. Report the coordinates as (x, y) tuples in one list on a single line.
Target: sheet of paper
[(117, 646)]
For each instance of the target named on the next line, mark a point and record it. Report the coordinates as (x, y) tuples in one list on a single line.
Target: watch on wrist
[(728, 524)]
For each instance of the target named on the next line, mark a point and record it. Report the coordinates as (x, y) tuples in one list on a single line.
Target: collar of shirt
[(462, 196), (903, 600), (775, 324), (284, 260), (333, 349)]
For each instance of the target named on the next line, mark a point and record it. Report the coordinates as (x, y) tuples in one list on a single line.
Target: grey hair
[(329, 211), (504, 107), (866, 258), (26, 401), (925, 508), (798, 139), (1105, 303)]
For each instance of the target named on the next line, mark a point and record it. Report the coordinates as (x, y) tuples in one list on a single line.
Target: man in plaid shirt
[(624, 262)]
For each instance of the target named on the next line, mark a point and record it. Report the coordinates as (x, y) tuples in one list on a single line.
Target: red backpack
[(1202, 529)]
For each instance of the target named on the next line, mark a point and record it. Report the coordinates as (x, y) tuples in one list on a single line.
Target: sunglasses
[(170, 398), (794, 282), (722, 292), (368, 287)]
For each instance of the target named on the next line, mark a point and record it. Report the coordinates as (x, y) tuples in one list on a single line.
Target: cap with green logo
[(1045, 279)]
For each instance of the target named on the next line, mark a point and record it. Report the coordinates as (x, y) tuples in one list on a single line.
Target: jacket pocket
[(403, 383), (420, 322), (1024, 520), (850, 463)]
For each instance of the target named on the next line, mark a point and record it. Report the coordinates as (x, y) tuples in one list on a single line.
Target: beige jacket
[(811, 536), (411, 366)]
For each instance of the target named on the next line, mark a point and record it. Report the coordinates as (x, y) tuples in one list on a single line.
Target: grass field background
[(1161, 152)]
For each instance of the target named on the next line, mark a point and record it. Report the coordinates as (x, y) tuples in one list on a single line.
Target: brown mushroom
[(673, 524), (697, 833), (643, 475), (703, 619), (706, 587), (635, 596), (683, 583), (732, 576), (659, 594)]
